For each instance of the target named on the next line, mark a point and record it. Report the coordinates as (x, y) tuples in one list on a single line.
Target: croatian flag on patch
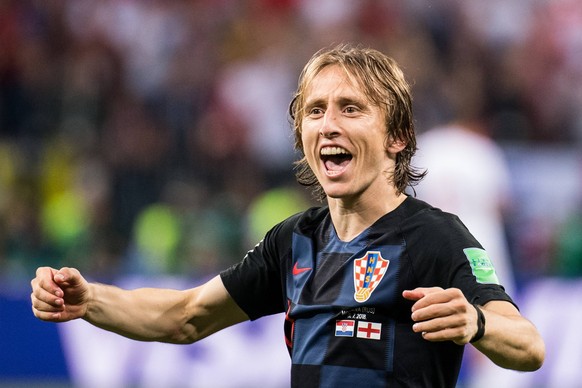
[(344, 328)]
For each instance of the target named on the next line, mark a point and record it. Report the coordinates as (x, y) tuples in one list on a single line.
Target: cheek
[(308, 139), (309, 147)]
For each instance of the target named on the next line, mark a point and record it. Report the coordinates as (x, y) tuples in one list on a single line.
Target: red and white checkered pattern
[(376, 271)]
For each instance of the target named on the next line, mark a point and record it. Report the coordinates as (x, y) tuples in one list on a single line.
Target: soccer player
[(378, 287)]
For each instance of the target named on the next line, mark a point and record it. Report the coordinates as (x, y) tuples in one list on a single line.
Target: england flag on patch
[(369, 330), (344, 328)]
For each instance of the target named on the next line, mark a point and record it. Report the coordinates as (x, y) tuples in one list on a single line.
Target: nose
[(329, 127)]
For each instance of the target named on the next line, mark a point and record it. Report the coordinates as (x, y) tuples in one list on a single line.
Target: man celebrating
[(379, 288)]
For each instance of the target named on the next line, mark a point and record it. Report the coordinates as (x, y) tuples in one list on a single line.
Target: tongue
[(336, 163)]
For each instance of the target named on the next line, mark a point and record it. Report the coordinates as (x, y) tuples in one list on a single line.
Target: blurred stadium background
[(148, 143)]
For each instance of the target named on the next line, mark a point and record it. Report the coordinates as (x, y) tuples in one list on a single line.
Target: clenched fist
[(59, 295)]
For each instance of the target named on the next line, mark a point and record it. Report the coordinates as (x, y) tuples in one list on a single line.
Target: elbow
[(180, 331), (531, 360), (536, 356), (184, 333), (180, 336), (185, 329), (527, 359)]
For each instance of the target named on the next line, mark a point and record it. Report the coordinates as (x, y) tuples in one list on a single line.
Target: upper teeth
[(333, 151)]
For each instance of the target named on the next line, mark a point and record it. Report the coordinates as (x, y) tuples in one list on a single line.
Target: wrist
[(480, 325), (89, 302)]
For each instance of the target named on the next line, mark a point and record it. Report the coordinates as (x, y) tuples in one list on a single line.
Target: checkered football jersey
[(346, 321)]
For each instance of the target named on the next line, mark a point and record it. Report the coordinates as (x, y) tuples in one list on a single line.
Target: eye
[(315, 112), (351, 109)]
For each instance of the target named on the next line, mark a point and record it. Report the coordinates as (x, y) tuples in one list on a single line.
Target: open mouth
[(335, 159)]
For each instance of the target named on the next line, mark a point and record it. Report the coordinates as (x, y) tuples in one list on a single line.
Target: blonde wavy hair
[(383, 83)]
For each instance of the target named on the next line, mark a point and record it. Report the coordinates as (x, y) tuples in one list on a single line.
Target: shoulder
[(434, 228), (421, 214), (302, 222), (279, 238)]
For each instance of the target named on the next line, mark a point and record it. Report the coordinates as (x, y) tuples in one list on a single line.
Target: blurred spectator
[(568, 261), (151, 137), (256, 88), (468, 177), (270, 208), (105, 106), (467, 171)]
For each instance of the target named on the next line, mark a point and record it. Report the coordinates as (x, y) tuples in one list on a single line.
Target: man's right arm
[(146, 314)]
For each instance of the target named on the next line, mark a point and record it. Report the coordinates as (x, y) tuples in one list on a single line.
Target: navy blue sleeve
[(442, 254), (257, 282)]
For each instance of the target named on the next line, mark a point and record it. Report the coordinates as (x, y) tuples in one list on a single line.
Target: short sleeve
[(444, 254), (257, 282)]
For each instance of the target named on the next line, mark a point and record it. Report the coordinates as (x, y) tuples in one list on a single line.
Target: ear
[(395, 146)]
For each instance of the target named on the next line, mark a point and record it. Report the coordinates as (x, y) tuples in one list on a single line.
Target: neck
[(352, 218)]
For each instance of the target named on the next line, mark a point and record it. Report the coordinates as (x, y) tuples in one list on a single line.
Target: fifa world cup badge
[(369, 271)]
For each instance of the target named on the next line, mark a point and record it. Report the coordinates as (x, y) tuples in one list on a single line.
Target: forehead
[(333, 80)]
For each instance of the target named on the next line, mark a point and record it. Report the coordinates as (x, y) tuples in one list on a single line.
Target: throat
[(351, 219)]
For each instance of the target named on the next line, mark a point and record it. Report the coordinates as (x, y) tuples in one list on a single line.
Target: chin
[(337, 194)]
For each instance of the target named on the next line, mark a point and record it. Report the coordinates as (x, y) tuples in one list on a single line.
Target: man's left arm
[(508, 339)]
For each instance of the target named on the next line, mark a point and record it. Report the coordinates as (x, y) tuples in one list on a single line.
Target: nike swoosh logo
[(297, 270)]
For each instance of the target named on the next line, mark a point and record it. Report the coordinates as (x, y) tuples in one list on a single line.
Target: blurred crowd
[(152, 137)]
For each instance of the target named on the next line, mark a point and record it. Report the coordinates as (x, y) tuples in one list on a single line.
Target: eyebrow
[(342, 101), (313, 103), (359, 102)]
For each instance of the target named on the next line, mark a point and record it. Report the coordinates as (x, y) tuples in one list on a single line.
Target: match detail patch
[(481, 266)]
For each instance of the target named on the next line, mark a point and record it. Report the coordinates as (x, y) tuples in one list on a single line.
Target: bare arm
[(510, 340), (147, 314)]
